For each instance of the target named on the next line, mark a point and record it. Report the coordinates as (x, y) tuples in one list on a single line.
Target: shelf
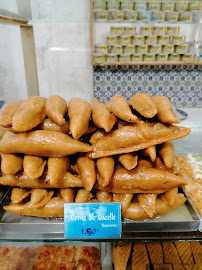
[(148, 64), (12, 18)]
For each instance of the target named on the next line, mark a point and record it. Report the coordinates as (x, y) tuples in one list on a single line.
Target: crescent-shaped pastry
[(142, 180), (105, 167), (160, 165), (97, 135), (120, 108), (48, 124), (143, 104), (83, 196), (40, 197), (79, 112), (150, 152), (135, 137), (10, 163), (19, 194), (7, 113), (67, 194), (103, 196), (43, 143), (129, 161), (21, 180), (136, 212), (148, 203), (56, 108), (33, 166), (102, 116), (87, 171), (124, 199), (57, 168), (165, 111), (166, 152), (170, 196), (145, 163), (29, 114)]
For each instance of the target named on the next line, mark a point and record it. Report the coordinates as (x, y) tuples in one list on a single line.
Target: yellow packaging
[(195, 5), (126, 4), (138, 40), (178, 40), (125, 40), (144, 15), (186, 16), (113, 4), (159, 30), (99, 4), (168, 49), (162, 57), (155, 49), (129, 49), (101, 15), (150, 57), (99, 58), (188, 58), (111, 58), (181, 49), (168, 5), (140, 5), (137, 58), (131, 15), (181, 6), (146, 31), (174, 57), (154, 5), (172, 30), (151, 40), (159, 16), (112, 40), (164, 40), (129, 31), (117, 49), (172, 16), (142, 49), (101, 48), (124, 58), (116, 30), (117, 15)]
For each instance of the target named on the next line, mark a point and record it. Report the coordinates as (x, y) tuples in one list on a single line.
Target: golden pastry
[(166, 152), (185, 252), (43, 143), (56, 108), (102, 116), (105, 167), (136, 137), (10, 163), (103, 196), (2, 131), (87, 171), (7, 113), (170, 196), (40, 197), (170, 253), (142, 180), (33, 166), (165, 111), (121, 254), (124, 199), (57, 168), (120, 108), (145, 163), (97, 135), (48, 124), (143, 104), (21, 180), (150, 152), (67, 194), (82, 196), (19, 194), (140, 258), (155, 252), (148, 203), (29, 114), (79, 113), (160, 165), (129, 161)]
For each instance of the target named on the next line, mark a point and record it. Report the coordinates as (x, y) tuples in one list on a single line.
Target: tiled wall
[(182, 84)]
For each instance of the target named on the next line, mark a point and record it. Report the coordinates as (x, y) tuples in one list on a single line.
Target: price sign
[(92, 220)]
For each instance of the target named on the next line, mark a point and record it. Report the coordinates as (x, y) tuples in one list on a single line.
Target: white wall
[(62, 41)]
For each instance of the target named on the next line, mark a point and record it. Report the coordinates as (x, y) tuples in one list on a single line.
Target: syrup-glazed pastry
[(129, 161), (7, 113), (143, 104), (56, 108), (120, 108), (102, 116), (165, 111), (103, 196), (29, 114), (33, 166), (57, 168), (148, 203), (166, 152), (48, 124), (97, 135), (83, 196), (43, 143), (136, 137), (150, 152), (79, 112), (124, 199), (105, 168)]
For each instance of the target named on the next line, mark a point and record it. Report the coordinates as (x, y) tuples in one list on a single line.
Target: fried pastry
[(33, 166), (155, 252), (21, 180), (43, 143), (166, 152), (79, 113), (2, 131), (150, 152), (105, 167), (196, 248), (139, 257), (165, 111), (83, 196), (170, 196), (19, 194), (136, 212), (40, 197), (29, 114), (57, 167), (56, 108), (97, 135), (54, 208), (170, 253), (160, 165), (102, 116), (10, 163), (124, 199), (120, 108), (48, 124), (184, 251), (7, 113), (148, 203), (67, 194), (136, 137), (145, 163), (87, 171), (121, 254), (143, 104), (129, 161), (141, 180), (103, 196)]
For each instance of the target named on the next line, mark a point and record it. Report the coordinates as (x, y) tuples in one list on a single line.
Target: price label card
[(92, 220)]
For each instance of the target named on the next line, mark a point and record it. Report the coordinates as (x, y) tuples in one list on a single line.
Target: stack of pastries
[(54, 153)]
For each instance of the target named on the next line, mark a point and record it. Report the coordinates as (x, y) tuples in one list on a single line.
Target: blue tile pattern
[(181, 84)]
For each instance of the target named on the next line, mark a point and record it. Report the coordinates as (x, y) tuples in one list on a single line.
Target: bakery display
[(49, 257), (157, 255), (76, 152)]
